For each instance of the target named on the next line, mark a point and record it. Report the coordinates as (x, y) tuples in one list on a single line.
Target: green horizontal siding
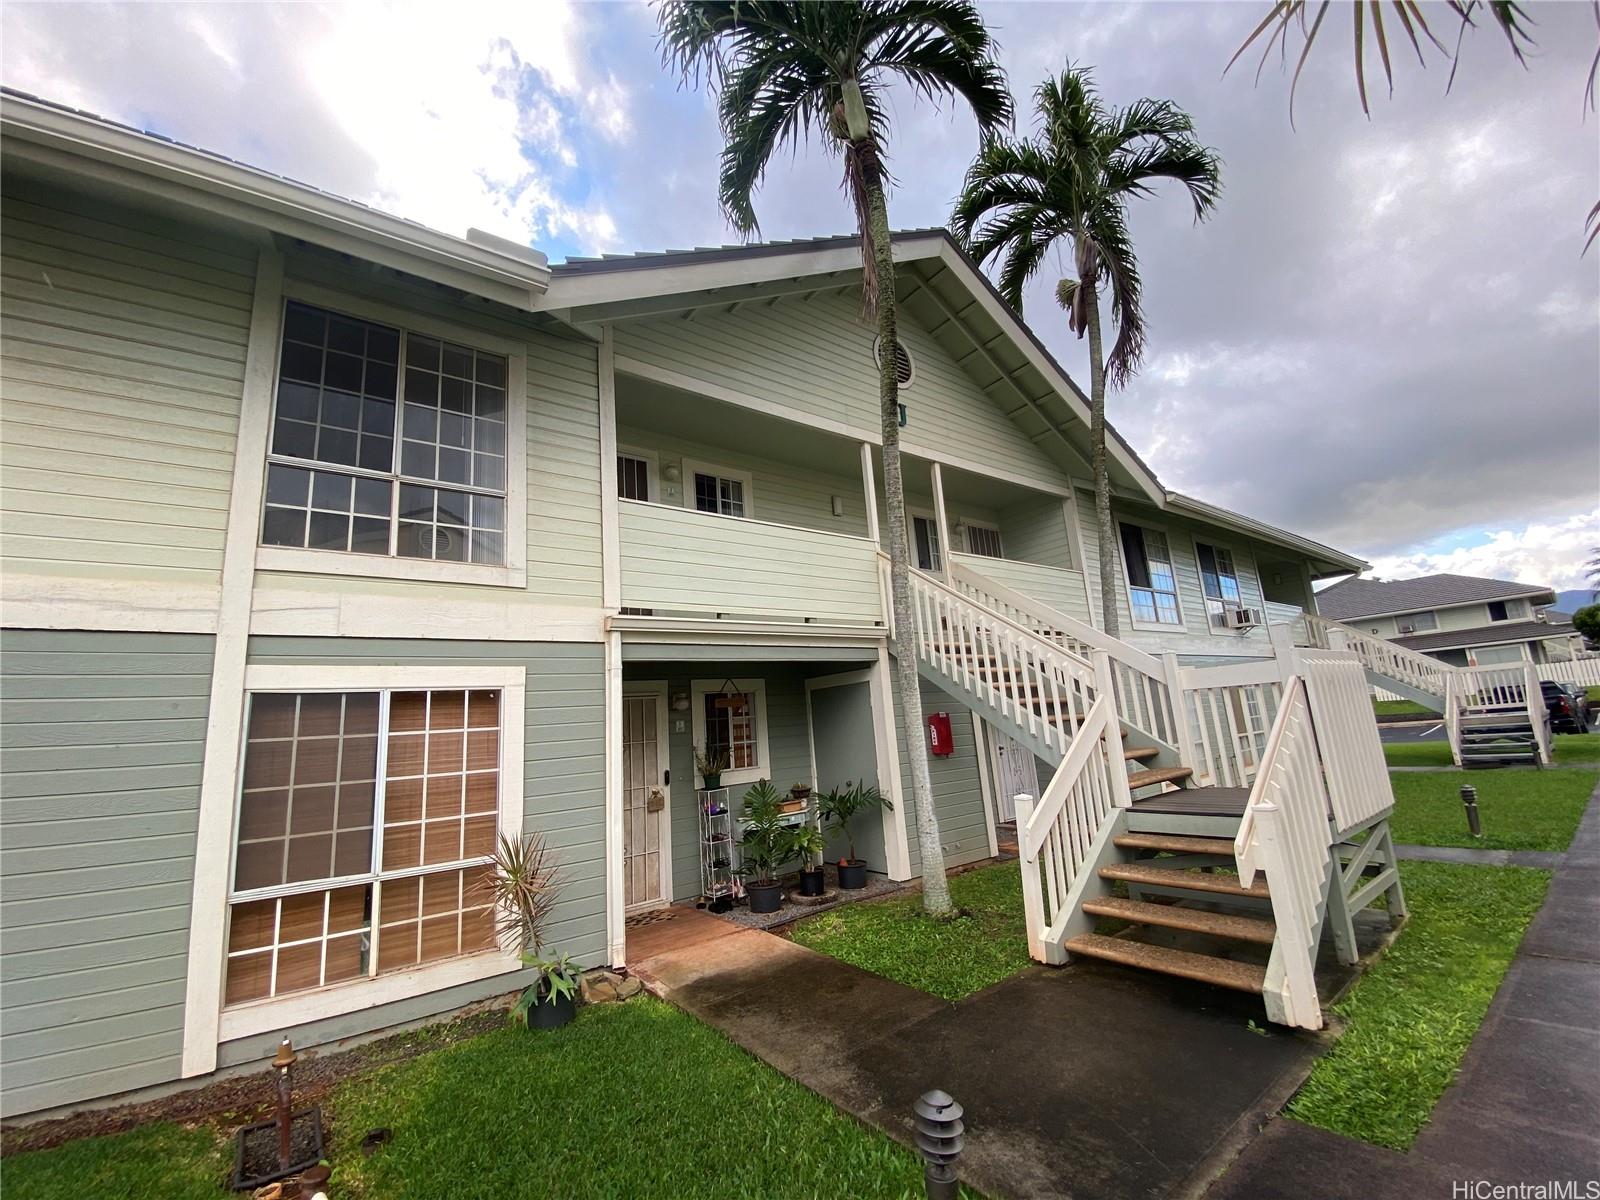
[(957, 787), (102, 736)]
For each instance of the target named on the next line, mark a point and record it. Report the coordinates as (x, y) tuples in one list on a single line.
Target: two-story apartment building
[(334, 548), (1462, 620)]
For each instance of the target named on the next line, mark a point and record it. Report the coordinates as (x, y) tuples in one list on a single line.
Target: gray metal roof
[(1497, 634), (1356, 597)]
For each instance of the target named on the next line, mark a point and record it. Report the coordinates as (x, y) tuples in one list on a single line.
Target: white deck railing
[(1229, 713), (1580, 672), (1055, 837), (1347, 737), (1285, 835), (1144, 699), (680, 560), (1377, 655)]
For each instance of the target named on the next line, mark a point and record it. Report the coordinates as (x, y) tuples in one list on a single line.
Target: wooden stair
[(1222, 885), (1174, 843), (1139, 753), (1203, 968), (1154, 775), (1176, 916)]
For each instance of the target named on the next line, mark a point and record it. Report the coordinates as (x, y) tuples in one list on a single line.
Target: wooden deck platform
[(1197, 802)]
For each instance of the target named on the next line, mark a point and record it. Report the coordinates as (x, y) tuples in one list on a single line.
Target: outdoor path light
[(1469, 801), (939, 1141)]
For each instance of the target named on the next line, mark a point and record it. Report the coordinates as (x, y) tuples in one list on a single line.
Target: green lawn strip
[(951, 959), (156, 1162), (1575, 748), (1401, 708), (634, 1099), (1519, 810), (1412, 1015), (1566, 749)]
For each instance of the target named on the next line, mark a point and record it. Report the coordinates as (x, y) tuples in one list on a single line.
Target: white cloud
[(1552, 553)]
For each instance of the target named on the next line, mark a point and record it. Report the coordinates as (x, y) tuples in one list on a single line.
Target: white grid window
[(1219, 581), (719, 494), (348, 472), (731, 726), (633, 477), (984, 540), (323, 774), (1152, 584), (925, 544)]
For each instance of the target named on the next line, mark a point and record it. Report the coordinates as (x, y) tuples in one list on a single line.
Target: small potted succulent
[(522, 888), (839, 807), (809, 845), (766, 843), (711, 763)]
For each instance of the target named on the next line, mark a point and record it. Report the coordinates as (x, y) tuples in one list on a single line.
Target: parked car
[(1569, 707)]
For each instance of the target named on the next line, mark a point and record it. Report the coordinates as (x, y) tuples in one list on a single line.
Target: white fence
[(1581, 672)]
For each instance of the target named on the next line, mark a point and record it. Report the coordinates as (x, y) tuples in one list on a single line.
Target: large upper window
[(1418, 622), (386, 442), (1499, 611), (366, 822), (925, 544), (1152, 584), (1219, 581)]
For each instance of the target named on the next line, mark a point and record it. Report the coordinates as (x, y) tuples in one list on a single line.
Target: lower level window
[(366, 825)]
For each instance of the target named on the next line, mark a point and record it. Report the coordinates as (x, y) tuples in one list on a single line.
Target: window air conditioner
[(1241, 618), (1408, 629)]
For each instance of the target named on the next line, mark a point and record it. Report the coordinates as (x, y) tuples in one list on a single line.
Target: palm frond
[(1591, 226)]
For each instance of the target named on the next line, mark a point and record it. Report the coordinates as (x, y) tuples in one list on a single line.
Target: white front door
[(1017, 772), (647, 831)]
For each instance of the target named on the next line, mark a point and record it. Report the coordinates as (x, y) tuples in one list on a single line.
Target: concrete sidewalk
[(1085, 1081), (1525, 1107)]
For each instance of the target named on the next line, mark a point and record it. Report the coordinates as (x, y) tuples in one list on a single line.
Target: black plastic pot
[(549, 1014), (811, 881), (764, 897), (852, 875), (712, 782)]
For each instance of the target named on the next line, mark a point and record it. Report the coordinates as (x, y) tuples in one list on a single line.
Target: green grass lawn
[(948, 958), (1519, 810), (1401, 708), (1565, 749), (1411, 1017), (634, 1099)]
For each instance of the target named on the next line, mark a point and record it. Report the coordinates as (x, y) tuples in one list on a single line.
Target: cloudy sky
[(1384, 338)]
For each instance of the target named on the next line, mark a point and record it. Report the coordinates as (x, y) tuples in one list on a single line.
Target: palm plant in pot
[(808, 844), (522, 888), (766, 844), (839, 807), (711, 763)]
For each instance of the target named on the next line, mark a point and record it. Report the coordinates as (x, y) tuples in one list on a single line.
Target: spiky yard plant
[(1071, 183), (783, 72), (522, 887)]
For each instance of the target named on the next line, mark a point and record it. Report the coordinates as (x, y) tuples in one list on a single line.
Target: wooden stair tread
[(1176, 916), (1140, 752), (1154, 775), (1225, 885), (1177, 843), (1204, 968)]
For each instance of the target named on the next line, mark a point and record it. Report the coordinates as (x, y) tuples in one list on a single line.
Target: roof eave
[(53, 136), (1401, 612), (1340, 562)]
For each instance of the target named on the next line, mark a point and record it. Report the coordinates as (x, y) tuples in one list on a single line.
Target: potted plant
[(766, 843), (711, 763), (809, 844), (552, 1001), (800, 791), (839, 807), (522, 888)]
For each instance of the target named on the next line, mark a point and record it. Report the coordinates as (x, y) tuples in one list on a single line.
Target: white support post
[(896, 837), (1285, 652), (1116, 767), (869, 485), (944, 521), (1172, 671), (989, 790), (616, 928), (1069, 514), (1032, 892), (610, 549), (1538, 712)]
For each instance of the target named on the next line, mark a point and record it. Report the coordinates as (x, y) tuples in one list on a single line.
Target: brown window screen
[(306, 810), (310, 768)]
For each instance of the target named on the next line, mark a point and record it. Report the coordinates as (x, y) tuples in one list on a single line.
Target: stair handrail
[(1055, 836), (1144, 697), (1061, 681), (1286, 835), (1380, 655), (1538, 711)]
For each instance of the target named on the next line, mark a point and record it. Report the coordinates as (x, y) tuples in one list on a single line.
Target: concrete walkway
[(1086, 1081), (1546, 860), (1526, 1104)]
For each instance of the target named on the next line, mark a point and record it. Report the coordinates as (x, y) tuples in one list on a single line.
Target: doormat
[(654, 917)]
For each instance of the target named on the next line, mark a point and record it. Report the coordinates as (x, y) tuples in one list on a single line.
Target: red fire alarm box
[(940, 741)]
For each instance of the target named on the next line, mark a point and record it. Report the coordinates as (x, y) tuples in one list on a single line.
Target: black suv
[(1569, 707)]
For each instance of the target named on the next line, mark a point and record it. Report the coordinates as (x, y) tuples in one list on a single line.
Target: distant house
[(1459, 619)]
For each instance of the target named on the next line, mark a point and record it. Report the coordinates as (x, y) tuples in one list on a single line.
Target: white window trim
[(316, 1004), (1127, 583), (652, 470), (932, 518), (967, 523), (699, 690), (691, 467), (514, 573), (1240, 559)]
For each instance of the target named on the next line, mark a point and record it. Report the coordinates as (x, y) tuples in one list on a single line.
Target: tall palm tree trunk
[(1105, 530), (935, 886)]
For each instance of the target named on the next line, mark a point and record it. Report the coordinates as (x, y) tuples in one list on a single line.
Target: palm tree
[(784, 71), (1074, 182)]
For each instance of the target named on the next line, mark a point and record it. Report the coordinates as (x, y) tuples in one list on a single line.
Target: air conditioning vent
[(1241, 618)]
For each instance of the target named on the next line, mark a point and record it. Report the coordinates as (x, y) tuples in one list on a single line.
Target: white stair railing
[(1144, 700), (1377, 655), (1056, 836), (1036, 686), (1285, 835), (1510, 693)]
